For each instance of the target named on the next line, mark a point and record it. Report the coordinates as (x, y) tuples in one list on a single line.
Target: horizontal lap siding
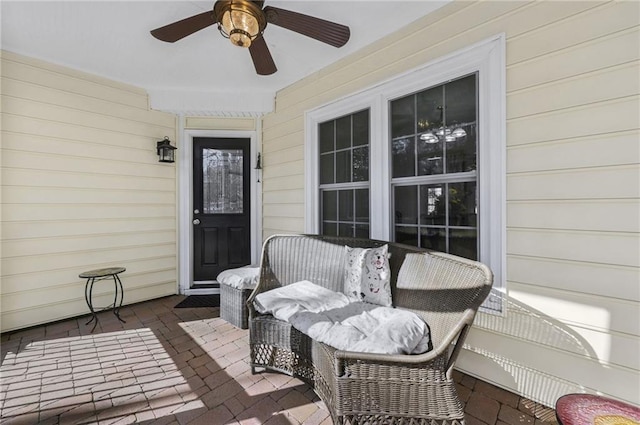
[(81, 189), (573, 184)]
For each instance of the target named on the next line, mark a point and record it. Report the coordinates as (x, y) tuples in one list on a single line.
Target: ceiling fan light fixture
[(240, 21), (240, 38)]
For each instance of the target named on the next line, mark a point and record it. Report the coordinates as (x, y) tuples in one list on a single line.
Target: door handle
[(196, 221)]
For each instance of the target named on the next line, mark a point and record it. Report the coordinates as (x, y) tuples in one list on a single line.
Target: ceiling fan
[(243, 23)]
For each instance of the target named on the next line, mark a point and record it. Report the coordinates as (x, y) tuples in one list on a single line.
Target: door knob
[(196, 221)]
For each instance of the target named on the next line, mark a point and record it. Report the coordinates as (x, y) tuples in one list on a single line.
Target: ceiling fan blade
[(261, 57), (328, 32), (180, 29)]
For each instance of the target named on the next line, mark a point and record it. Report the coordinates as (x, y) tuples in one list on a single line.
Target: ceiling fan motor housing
[(241, 21)]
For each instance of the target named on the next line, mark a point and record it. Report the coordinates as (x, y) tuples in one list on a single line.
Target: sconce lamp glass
[(165, 150)]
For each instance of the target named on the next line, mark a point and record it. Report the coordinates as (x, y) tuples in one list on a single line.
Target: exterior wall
[(82, 189), (572, 317)]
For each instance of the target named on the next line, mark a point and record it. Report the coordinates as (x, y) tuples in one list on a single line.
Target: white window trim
[(488, 59)]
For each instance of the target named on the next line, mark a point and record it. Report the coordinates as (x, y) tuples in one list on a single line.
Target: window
[(434, 163), (344, 175), (435, 171)]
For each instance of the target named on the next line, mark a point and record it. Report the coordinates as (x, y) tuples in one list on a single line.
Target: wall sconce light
[(165, 150), (258, 166)]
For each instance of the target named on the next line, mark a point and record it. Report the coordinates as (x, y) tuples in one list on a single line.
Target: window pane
[(441, 144), (430, 156), (432, 205), (362, 231), (403, 116), (326, 168), (460, 99), (326, 136), (464, 242), (433, 238), (462, 204), (403, 155), (345, 208), (407, 235), (429, 104), (461, 152), (343, 166), (343, 132), (361, 128), (361, 164), (345, 205), (345, 229), (406, 204), (329, 205), (329, 229), (362, 206)]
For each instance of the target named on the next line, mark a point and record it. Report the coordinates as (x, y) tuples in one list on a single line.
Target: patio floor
[(178, 366)]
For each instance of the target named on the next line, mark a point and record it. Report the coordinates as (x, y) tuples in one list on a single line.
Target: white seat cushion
[(368, 328), (287, 300), (240, 278)]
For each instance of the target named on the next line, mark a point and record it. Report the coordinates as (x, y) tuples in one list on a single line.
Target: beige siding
[(81, 189), (573, 183)]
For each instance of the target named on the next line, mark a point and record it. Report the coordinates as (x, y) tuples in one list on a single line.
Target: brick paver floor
[(178, 366)]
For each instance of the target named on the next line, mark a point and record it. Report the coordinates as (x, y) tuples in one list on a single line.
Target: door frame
[(185, 203)]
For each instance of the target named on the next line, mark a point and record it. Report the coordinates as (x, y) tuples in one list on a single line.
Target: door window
[(222, 181)]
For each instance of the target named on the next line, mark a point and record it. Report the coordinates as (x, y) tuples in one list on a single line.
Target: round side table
[(94, 276), (589, 409)]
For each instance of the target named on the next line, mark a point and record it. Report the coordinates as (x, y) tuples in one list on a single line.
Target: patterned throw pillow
[(368, 275), (353, 273)]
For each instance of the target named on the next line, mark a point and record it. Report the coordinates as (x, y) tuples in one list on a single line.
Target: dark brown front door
[(221, 206)]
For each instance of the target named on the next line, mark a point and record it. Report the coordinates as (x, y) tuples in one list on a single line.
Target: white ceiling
[(202, 73)]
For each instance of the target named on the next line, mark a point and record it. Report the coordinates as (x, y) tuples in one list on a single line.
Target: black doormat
[(193, 301)]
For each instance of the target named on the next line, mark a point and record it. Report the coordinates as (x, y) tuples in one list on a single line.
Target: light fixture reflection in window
[(445, 134)]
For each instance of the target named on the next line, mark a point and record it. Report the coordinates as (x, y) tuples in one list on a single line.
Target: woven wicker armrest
[(446, 348)]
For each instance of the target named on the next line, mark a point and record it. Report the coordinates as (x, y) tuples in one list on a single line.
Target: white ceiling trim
[(211, 103)]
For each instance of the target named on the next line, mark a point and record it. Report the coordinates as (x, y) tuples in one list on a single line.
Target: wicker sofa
[(359, 388)]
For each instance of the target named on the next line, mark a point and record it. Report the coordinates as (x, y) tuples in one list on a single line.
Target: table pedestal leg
[(88, 289), (116, 306)]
